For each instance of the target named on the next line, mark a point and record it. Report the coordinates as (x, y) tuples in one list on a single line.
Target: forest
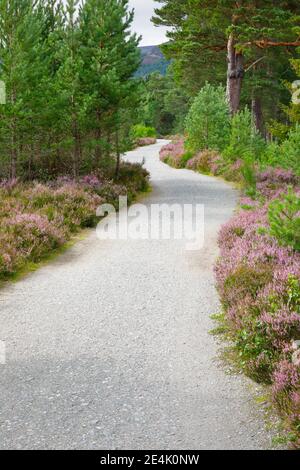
[(67, 76), (68, 111)]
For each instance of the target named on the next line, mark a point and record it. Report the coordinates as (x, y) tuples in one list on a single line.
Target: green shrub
[(271, 156), (278, 130), (245, 281), (231, 171), (208, 121), (285, 155), (186, 157), (290, 151), (205, 162), (244, 139), (134, 176), (249, 177), (139, 131), (284, 219)]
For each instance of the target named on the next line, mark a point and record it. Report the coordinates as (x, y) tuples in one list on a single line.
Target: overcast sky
[(142, 25)]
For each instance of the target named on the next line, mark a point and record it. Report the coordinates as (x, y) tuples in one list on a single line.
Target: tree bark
[(77, 147), (13, 153), (257, 114), (235, 75), (98, 149), (118, 156), (13, 140)]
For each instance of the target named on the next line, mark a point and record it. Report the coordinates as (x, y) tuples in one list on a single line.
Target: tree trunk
[(235, 75), (257, 114), (29, 164), (13, 141), (118, 156), (13, 151), (77, 148), (98, 134)]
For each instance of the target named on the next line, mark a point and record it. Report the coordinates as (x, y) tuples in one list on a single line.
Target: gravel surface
[(108, 346)]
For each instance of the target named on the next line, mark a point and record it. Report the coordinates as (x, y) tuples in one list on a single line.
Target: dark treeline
[(164, 103), (70, 96)]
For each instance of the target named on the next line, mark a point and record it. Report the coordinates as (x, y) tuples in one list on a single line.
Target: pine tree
[(72, 103), (70, 84), (109, 59), (19, 32), (245, 31), (208, 123)]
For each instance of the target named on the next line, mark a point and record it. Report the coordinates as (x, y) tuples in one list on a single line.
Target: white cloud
[(142, 24)]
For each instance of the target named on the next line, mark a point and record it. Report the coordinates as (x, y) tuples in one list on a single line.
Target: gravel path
[(108, 346)]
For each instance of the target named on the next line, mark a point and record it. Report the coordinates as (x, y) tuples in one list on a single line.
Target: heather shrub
[(284, 220), (92, 182), (143, 141), (39, 195), (286, 393), (274, 181), (245, 281), (268, 326), (8, 185), (110, 192), (36, 218), (175, 161), (173, 153), (26, 237), (258, 279), (204, 162), (134, 177), (278, 176), (33, 234), (11, 205), (70, 205), (231, 171), (260, 293), (8, 256), (208, 123)]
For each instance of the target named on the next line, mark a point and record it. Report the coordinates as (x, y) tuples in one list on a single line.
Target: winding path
[(108, 347)]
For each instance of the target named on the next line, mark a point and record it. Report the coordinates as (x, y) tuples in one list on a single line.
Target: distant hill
[(153, 60)]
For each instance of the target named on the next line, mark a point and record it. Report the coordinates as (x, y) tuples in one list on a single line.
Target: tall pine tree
[(204, 33), (71, 93)]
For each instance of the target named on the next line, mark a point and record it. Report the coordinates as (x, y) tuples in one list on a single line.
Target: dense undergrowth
[(258, 278), (143, 141), (258, 272), (142, 135), (38, 217)]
